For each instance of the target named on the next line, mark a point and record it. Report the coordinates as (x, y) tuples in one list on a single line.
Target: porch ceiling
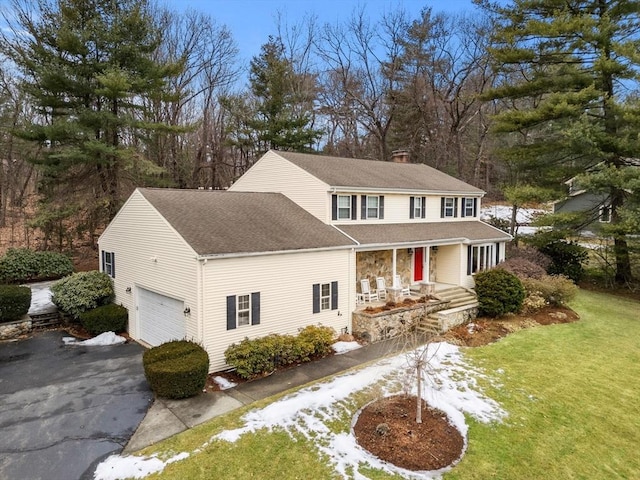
[(405, 233)]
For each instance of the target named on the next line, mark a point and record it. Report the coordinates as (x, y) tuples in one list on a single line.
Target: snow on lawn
[(503, 212), (223, 383), (41, 298), (450, 386), (102, 340)]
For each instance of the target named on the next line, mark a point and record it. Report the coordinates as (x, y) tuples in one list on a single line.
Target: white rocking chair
[(368, 294), (381, 288), (406, 291)]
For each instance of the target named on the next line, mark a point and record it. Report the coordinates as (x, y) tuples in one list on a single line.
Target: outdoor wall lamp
[(410, 251), (128, 289), (187, 311)]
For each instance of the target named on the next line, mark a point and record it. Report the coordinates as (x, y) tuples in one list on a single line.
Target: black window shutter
[(469, 259), (255, 308), (455, 207), (231, 312), (381, 205), (316, 298), (412, 204), (334, 207), (113, 264), (497, 253), (363, 207), (442, 207), (104, 261), (334, 295), (354, 207), (475, 207), (463, 213), (424, 207)]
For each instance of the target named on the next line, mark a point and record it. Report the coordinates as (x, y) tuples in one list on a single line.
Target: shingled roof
[(221, 222), (389, 234), (372, 174)]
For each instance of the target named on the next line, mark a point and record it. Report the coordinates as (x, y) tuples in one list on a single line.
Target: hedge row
[(176, 369), (14, 302), (255, 357), (20, 265), (106, 318)]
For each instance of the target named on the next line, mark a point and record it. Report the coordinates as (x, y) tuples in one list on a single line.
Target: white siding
[(150, 254), (273, 173), (285, 283), (449, 264)]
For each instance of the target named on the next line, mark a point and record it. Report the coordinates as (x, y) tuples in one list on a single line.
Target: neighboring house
[(287, 245), (595, 206)]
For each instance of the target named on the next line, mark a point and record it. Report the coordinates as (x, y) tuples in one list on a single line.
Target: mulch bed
[(387, 428)]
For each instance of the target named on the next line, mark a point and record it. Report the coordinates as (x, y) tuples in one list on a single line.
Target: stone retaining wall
[(15, 329), (374, 327)]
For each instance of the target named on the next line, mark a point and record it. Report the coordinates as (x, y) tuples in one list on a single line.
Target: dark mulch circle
[(387, 428)]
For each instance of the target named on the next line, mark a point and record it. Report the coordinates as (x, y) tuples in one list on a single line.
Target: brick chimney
[(400, 156)]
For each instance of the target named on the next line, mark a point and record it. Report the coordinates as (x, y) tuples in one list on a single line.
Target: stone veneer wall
[(374, 327), (15, 329), (379, 263)]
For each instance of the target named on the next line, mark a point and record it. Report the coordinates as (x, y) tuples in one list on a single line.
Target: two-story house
[(287, 245)]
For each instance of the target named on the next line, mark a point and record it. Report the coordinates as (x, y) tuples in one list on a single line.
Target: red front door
[(418, 262)]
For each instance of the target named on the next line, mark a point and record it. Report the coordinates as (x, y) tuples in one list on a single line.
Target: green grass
[(572, 393)]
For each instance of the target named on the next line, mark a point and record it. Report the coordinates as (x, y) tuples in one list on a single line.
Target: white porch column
[(393, 267), (427, 267)]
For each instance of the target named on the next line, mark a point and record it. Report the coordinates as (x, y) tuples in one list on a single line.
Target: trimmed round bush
[(499, 292), (176, 369), (107, 318), (21, 265), (14, 302), (82, 291), (320, 337)]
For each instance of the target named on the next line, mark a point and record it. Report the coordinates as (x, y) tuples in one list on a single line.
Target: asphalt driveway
[(65, 408)]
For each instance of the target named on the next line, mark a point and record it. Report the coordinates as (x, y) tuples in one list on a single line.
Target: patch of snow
[(41, 298), (344, 347), (224, 383), (116, 467), (102, 340), (503, 212), (450, 385)]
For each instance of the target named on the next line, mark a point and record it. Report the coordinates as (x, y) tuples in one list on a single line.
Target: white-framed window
[(109, 263), (604, 216), (481, 257), (373, 206), (243, 310), (449, 207), (469, 207), (344, 207), (417, 207), (325, 296)]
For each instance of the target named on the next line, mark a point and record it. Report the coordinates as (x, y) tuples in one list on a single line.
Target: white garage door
[(161, 318)]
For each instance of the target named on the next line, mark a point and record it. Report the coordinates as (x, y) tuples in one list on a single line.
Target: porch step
[(457, 297), (429, 326)]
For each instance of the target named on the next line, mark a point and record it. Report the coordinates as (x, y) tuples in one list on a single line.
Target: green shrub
[(176, 369), (106, 318), (499, 292), (555, 289), (14, 302), (320, 337), (82, 291), (262, 355), (21, 265), (567, 258)]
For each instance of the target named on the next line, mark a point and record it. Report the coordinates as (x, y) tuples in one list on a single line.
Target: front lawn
[(571, 393)]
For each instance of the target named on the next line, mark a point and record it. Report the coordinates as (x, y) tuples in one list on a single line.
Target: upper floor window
[(109, 263), (469, 207), (605, 214), (417, 207), (243, 310), (343, 207), (372, 206), (325, 296), (448, 207)]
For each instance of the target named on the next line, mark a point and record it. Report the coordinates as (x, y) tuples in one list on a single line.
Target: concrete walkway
[(166, 418)]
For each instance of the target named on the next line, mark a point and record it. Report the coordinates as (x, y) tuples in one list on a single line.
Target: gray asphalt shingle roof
[(372, 174), (221, 222), (389, 234)]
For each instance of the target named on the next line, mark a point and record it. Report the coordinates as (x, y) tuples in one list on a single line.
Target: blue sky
[(252, 21)]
